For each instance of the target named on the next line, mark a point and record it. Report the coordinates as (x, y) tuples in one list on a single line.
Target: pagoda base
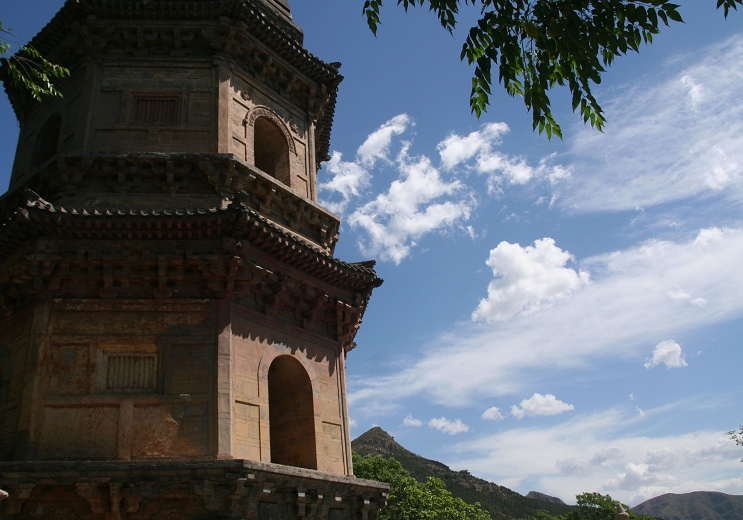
[(181, 490)]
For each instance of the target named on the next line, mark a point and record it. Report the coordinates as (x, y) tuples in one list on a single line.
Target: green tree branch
[(536, 45), (27, 67)]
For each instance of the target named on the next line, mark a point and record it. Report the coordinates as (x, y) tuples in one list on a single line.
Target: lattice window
[(131, 372), (157, 109)]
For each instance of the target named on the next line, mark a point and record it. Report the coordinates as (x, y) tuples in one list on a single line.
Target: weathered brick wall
[(125, 380), (247, 96), (155, 107), (256, 344), (16, 337)]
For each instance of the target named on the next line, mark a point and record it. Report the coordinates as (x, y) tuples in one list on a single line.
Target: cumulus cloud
[(527, 278), (347, 182), (631, 286), (667, 353), (476, 152), (456, 149), (492, 414), (418, 203), (410, 422), (539, 404), (451, 427), (377, 146)]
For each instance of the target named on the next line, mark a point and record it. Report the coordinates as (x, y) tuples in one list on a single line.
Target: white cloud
[(410, 422), (667, 353), (539, 404), (665, 141), (492, 414), (526, 279), (348, 180), (377, 145), (455, 149), (418, 203), (679, 294), (602, 458), (627, 287), (476, 152), (607, 455), (601, 452), (451, 427)]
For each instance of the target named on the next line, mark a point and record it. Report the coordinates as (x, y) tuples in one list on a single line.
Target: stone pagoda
[(173, 324)]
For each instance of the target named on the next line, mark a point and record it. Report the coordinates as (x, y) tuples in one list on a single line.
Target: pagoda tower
[(173, 324)]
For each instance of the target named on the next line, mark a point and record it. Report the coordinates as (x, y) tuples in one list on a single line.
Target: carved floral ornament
[(261, 111)]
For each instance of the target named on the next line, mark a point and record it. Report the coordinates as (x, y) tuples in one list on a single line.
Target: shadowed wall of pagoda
[(146, 380), (205, 104)]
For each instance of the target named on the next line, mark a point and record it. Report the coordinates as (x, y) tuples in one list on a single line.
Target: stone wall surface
[(171, 490), (173, 325)]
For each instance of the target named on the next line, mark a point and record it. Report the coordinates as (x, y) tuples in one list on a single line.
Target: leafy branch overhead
[(28, 67), (536, 45)]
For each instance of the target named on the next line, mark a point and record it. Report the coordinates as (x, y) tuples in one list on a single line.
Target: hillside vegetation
[(499, 501)]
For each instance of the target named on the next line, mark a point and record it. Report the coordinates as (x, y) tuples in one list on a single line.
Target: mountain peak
[(499, 501), (378, 442)]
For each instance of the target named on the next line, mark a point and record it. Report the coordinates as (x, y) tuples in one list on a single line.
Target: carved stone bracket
[(154, 173)]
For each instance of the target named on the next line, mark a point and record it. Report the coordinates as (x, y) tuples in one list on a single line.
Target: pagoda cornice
[(232, 253), (128, 182), (36, 217)]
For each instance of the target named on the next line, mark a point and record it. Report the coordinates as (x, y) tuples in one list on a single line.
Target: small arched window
[(291, 414), (271, 149), (47, 140)]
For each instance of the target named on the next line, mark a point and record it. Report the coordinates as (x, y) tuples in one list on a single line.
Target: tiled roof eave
[(235, 221)]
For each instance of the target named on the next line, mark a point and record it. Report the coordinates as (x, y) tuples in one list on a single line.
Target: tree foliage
[(27, 67), (536, 45), (413, 500), (737, 436), (594, 506)]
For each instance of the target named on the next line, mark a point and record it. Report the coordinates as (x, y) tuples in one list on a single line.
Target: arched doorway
[(271, 149), (291, 414)]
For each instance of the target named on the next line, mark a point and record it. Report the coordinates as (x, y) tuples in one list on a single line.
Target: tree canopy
[(536, 45), (737, 436), (594, 506), (413, 500), (25, 66)]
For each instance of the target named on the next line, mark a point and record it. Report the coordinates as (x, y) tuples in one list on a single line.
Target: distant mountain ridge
[(536, 495), (499, 501), (697, 505)]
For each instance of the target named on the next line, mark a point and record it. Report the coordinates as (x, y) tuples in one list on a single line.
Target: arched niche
[(46, 144), (291, 414), (272, 144)]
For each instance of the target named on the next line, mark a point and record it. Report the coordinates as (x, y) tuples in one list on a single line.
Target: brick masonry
[(173, 325)]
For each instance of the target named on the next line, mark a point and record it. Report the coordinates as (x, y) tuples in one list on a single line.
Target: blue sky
[(559, 316)]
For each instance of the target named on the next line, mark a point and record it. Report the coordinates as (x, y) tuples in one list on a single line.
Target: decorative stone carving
[(261, 111)]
